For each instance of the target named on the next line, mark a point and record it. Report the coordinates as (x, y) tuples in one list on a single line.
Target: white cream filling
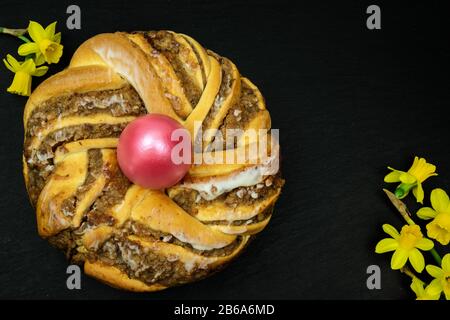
[(214, 187), (196, 243)]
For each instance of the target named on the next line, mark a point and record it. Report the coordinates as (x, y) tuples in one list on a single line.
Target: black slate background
[(348, 102)]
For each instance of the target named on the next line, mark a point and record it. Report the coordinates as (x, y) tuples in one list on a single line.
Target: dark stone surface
[(348, 102)]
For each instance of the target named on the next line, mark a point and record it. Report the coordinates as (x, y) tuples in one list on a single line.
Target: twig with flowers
[(43, 47), (408, 244)]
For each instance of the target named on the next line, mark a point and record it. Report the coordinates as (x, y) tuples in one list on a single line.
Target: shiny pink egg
[(154, 151)]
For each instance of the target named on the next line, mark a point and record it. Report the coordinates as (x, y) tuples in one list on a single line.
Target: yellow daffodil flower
[(405, 246), (439, 228), (23, 71), (441, 276), (412, 179), (428, 293), (46, 43)]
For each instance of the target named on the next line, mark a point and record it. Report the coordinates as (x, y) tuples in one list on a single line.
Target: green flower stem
[(436, 256), (13, 32), (408, 272), (19, 33), (403, 189), (401, 207), (24, 39)]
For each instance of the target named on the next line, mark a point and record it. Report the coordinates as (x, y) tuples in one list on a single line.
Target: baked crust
[(76, 79), (127, 236), (116, 278), (129, 61)]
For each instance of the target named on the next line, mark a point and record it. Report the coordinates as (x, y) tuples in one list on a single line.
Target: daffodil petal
[(447, 294), (40, 71), (415, 162), (386, 245), (407, 178), (28, 66), (416, 259), (439, 200), (57, 37), (426, 213), (446, 262), (399, 259), (435, 286), (418, 192), (39, 59), (10, 68), (13, 62), (417, 287), (422, 170), (435, 271), (430, 296), (55, 54), (393, 176), (436, 231), (28, 48), (21, 84), (50, 30), (36, 31), (433, 289), (429, 171), (425, 244), (390, 230)]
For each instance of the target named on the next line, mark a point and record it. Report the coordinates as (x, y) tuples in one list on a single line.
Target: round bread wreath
[(127, 236)]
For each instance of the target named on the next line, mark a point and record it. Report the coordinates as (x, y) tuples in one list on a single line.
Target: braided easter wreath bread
[(127, 236)]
